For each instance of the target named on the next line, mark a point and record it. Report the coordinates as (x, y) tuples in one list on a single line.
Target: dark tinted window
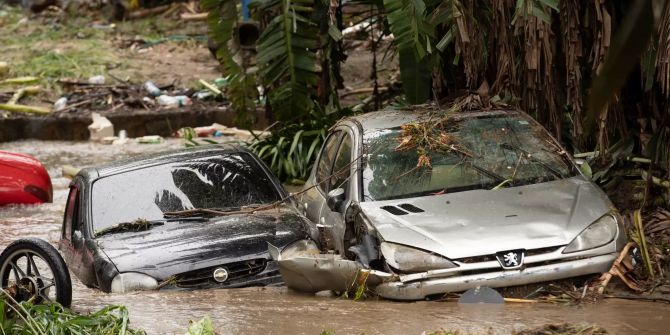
[(227, 181), (342, 167), (326, 159), (71, 211)]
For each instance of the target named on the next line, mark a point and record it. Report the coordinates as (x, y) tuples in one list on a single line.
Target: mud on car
[(193, 218), (503, 205)]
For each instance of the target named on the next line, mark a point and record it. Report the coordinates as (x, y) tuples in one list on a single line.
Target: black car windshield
[(497, 151), (223, 181)]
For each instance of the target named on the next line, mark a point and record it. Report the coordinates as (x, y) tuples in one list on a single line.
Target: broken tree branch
[(25, 109)]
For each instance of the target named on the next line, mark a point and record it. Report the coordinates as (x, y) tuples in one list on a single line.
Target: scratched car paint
[(516, 210), (116, 235)]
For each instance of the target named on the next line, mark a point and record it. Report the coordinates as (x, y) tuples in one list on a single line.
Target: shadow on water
[(276, 310)]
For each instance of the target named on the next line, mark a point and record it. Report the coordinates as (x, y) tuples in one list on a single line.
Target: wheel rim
[(31, 274)]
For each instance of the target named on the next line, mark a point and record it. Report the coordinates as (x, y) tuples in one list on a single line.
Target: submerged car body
[(501, 204), (117, 238), (23, 180)]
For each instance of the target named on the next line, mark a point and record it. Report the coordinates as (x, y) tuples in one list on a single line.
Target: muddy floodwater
[(276, 310)]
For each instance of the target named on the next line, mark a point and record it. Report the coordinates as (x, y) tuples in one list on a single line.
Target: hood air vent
[(411, 208), (394, 210)]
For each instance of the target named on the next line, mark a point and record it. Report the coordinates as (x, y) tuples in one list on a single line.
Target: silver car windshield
[(505, 151)]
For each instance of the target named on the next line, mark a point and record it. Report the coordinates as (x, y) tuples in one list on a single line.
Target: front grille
[(488, 258), (205, 276)]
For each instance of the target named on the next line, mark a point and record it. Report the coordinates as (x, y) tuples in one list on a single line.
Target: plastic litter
[(122, 138), (152, 88), (60, 104), (96, 80), (151, 139), (100, 128), (176, 101)]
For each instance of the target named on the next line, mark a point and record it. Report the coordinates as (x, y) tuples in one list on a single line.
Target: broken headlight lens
[(599, 233), (409, 259), (132, 281)]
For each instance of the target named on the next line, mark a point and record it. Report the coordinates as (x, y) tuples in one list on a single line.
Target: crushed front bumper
[(416, 290)]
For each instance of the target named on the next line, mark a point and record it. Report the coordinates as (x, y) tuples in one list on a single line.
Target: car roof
[(157, 158), (393, 118)]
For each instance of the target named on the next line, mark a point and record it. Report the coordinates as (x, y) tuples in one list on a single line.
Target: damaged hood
[(178, 247), (483, 222)]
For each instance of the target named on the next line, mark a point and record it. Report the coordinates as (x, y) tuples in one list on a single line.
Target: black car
[(193, 218)]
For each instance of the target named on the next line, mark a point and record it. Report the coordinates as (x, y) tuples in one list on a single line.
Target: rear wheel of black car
[(33, 269)]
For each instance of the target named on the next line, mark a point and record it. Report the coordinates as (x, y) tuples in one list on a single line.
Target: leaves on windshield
[(134, 226)]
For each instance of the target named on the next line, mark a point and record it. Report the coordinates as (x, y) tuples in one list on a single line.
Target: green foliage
[(202, 327), (221, 20), (534, 8), (292, 148), (25, 318), (287, 58)]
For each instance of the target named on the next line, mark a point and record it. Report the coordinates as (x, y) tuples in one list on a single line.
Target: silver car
[(509, 208)]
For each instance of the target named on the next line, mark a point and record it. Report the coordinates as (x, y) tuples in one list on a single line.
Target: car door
[(73, 241), (339, 176), (314, 197)]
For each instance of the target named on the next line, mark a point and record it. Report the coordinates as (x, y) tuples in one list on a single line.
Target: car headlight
[(599, 233), (408, 259), (132, 281)]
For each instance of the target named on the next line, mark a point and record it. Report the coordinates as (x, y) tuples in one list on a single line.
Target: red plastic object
[(23, 180)]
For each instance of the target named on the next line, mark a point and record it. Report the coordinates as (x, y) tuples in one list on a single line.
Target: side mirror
[(335, 199), (584, 167)]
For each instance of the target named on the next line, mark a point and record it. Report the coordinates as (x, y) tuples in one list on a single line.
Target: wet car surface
[(224, 206), (238, 310), (503, 205)]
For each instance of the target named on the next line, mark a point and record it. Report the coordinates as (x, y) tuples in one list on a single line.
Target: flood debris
[(564, 329), (100, 128)]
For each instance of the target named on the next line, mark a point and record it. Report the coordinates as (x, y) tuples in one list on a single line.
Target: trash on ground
[(100, 128), (60, 104), (152, 89), (173, 101), (69, 171), (97, 80), (149, 139)]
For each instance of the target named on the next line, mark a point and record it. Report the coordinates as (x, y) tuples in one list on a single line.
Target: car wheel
[(32, 268)]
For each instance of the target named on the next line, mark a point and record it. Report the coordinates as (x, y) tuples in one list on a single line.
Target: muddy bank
[(73, 126)]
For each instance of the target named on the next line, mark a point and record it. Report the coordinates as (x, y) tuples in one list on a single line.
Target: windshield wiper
[(488, 173), (188, 213), (142, 225), (532, 158)]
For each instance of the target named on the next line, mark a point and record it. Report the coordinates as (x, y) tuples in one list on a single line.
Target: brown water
[(276, 310)]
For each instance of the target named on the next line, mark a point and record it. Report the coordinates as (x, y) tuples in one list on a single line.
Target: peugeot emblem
[(512, 259), (220, 275)]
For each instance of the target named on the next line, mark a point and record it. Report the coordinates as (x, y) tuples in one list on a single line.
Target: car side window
[(71, 213), (342, 166), (325, 164)]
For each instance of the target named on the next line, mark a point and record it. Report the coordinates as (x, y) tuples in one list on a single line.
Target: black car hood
[(178, 247)]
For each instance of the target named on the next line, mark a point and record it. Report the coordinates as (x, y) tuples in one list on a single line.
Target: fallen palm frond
[(642, 242), (621, 269)]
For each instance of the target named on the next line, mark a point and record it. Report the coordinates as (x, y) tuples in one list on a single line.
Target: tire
[(36, 249)]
